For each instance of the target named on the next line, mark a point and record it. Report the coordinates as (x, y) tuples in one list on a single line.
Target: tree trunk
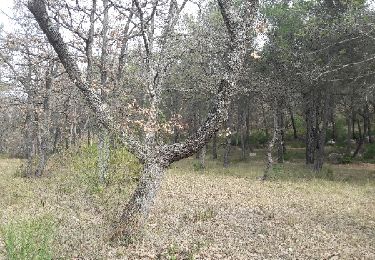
[(29, 142), (89, 137), (271, 144), (138, 208), (43, 132), (349, 134), (227, 151), (248, 146), (295, 135), (280, 132), (214, 146), (321, 136), (103, 154), (353, 124), (310, 131), (56, 139), (202, 157)]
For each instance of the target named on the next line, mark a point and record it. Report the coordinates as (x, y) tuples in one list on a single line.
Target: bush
[(29, 239), (123, 167), (369, 152), (346, 159), (259, 138)]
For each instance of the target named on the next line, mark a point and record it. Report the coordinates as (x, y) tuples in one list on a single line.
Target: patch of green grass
[(29, 239), (293, 154), (123, 168)]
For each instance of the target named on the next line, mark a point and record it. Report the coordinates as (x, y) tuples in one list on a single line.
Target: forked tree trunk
[(138, 208), (154, 157)]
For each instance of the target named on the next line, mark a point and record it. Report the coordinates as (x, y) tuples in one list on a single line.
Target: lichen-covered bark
[(139, 206)]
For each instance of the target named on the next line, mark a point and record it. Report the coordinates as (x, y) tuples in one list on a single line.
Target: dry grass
[(213, 214)]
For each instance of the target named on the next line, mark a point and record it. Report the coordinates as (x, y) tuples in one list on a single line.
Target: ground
[(214, 213)]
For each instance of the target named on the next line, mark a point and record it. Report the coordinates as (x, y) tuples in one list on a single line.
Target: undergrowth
[(29, 239)]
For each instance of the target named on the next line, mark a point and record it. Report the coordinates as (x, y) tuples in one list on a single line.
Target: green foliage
[(29, 239), (259, 138), (369, 152), (295, 154), (123, 167), (346, 159)]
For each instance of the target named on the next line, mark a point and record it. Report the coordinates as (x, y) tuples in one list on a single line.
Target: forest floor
[(215, 213)]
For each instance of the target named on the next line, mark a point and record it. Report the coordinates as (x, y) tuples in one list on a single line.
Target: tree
[(154, 156)]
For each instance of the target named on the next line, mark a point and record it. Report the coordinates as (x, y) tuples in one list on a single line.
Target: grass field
[(216, 213)]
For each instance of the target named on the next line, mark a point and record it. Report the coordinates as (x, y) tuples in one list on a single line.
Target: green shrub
[(259, 137), (369, 152), (346, 159), (29, 239), (123, 167)]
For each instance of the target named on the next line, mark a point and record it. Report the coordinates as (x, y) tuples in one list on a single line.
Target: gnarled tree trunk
[(138, 208)]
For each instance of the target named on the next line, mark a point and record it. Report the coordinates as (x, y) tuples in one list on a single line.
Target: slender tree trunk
[(242, 131), (247, 133), (310, 131), (349, 134), (45, 121), (89, 142), (104, 142), (280, 131), (271, 144), (264, 120), (321, 136), (202, 157), (354, 119), (29, 142), (370, 138), (56, 139), (176, 134), (227, 150), (295, 135), (214, 146), (104, 154)]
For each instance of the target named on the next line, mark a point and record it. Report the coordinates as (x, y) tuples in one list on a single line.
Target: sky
[(6, 9)]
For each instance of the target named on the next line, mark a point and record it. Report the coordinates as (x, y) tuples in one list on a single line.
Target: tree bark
[(202, 157), (321, 135), (214, 146), (295, 134), (156, 157), (138, 208), (103, 154), (310, 130), (280, 131), (349, 134), (227, 151), (271, 144)]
